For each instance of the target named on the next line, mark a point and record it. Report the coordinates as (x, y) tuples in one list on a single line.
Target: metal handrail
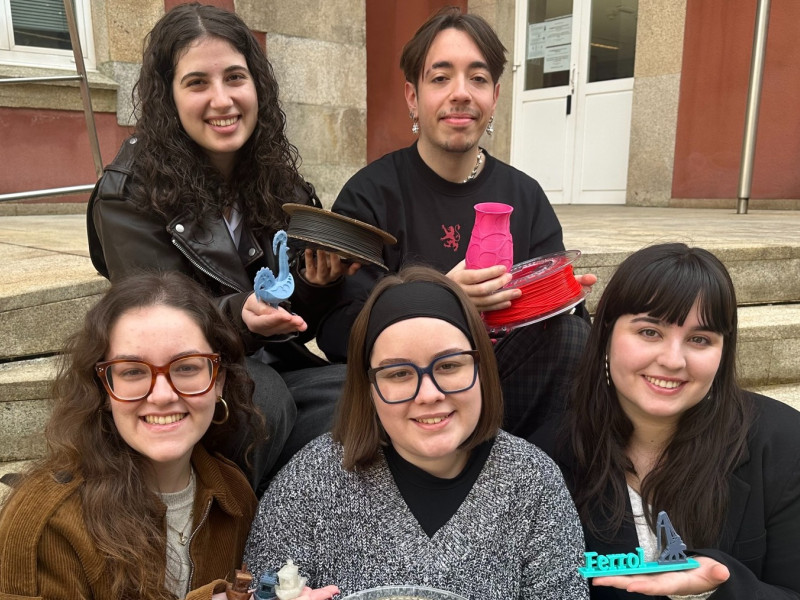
[(753, 102), (86, 99), (62, 191)]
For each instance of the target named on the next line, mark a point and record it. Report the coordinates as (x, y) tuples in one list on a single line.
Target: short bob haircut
[(412, 60), (690, 479), (357, 426)]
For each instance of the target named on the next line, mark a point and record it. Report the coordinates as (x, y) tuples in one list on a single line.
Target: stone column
[(654, 119), (120, 27), (318, 52), (500, 15)]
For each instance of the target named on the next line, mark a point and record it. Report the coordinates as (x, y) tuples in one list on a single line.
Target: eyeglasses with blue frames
[(133, 380), (451, 373)]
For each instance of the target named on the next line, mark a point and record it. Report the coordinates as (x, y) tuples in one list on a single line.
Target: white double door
[(573, 89)]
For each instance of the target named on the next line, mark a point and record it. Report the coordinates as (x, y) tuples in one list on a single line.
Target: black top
[(433, 500), (759, 539), (432, 219)]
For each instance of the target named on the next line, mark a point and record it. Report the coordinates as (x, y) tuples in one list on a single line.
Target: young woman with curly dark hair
[(199, 189), (132, 499)]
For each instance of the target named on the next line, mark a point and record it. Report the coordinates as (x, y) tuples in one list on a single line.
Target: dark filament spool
[(337, 235)]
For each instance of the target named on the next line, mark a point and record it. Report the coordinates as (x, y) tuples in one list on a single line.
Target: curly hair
[(122, 515), (172, 173), (690, 479)]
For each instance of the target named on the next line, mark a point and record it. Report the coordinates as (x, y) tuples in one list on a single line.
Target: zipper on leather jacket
[(199, 267)]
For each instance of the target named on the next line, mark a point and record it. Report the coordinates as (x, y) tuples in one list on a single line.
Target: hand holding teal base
[(606, 565), (672, 557)]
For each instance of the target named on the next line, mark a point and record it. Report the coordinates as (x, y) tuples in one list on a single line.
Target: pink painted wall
[(43, 149), (713, 96), (390, 24)]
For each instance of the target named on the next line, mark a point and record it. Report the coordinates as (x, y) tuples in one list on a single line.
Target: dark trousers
[(537, 365), (298, 406)]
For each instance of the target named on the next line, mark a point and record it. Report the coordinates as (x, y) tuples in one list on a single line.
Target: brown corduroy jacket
[(46, 551)]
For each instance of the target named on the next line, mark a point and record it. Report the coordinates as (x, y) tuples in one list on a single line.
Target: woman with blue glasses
[(416, 484)]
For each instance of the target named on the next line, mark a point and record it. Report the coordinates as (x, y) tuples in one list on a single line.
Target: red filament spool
[(548, 288)]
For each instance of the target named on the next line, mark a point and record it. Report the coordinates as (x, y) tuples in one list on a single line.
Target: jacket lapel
[(210, 247)]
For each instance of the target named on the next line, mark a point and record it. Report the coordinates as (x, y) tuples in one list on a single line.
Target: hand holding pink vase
[(491, 243)]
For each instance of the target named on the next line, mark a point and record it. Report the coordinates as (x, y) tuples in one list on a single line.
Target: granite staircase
[(49, 283)]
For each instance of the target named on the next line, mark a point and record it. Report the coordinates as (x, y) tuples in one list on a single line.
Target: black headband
[(415, 299)]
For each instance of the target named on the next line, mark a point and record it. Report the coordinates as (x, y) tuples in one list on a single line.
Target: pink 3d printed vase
[(491, 242)]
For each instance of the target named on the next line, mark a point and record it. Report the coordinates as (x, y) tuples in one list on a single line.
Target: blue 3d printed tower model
[(672, 558)]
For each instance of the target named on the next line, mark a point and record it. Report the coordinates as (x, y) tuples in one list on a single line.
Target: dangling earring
[(227, 414), (415, 124), (608, 373), (490, 126)]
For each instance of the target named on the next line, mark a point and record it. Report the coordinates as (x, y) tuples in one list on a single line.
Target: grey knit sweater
[(516, 535)]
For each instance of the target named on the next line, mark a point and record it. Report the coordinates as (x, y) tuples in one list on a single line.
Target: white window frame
[(33, 56)]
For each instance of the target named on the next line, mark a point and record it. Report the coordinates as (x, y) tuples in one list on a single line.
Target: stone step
[(48, 285), (789, 393), (37, 316), (769, 344), (761, 275), (24, 407), (761, 249)]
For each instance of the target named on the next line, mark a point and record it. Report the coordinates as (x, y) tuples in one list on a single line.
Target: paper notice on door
[(556, 58), (558, 31), (536, 40), (557, 44)]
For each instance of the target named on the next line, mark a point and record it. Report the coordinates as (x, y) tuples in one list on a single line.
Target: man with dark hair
[(425, 196)]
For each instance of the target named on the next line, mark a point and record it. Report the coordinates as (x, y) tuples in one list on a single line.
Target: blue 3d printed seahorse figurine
[(268, 288)]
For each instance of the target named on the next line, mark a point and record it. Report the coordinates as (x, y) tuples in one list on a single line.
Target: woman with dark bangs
[(658, 422), (199, 189)]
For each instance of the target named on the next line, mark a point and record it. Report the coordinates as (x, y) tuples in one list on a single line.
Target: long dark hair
[(122, 515), (357, 426), (690, 478), (172, 174)]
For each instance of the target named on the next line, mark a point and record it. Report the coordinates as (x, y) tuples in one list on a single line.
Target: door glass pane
[(613, 39), (40, 23), (548, 43)]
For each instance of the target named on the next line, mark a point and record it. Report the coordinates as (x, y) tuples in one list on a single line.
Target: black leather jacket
[(124, 239)]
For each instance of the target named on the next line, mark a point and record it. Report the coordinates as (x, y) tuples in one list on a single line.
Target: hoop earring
[(608, 373), (227, 413), (490, 126)]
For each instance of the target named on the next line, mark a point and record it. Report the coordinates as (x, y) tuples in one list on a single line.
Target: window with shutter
[(35, 33)]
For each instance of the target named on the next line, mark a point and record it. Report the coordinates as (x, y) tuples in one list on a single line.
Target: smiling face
[(428, 430), (454, 97), (661, 370), (216, 99), (164, 427)]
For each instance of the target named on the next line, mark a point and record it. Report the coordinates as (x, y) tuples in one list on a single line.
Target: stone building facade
[(319, 50)]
